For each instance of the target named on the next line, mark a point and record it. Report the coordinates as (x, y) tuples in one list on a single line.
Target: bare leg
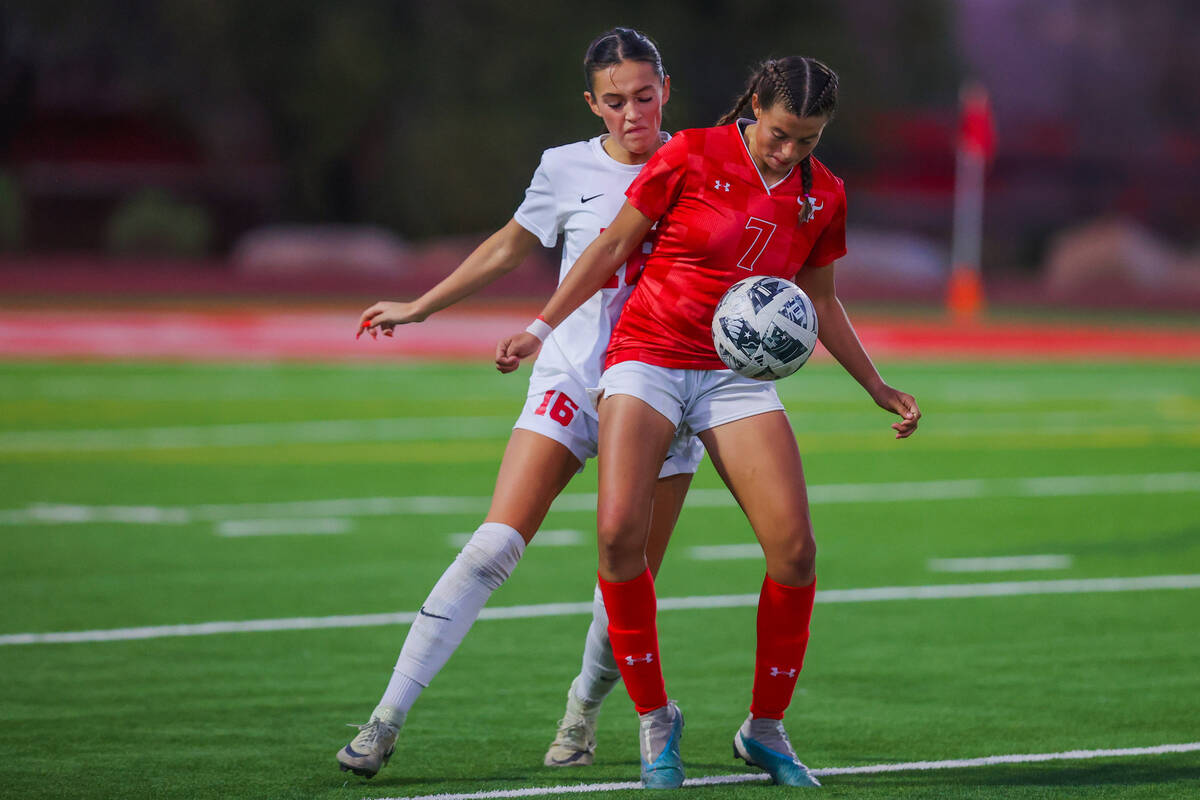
[(633, 444), (758, 459), (535, 469), (669, 494)]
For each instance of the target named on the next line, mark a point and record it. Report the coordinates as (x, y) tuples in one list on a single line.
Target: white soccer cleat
[(370, 750), (574, 744), (764, 743)]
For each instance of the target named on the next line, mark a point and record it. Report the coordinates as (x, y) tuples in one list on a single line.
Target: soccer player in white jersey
[(576, 191)]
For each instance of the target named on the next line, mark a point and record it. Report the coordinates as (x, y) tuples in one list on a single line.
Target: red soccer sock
[(783, 616), (631, 608)]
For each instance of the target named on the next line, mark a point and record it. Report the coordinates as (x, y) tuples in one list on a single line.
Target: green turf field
[(149, 495)]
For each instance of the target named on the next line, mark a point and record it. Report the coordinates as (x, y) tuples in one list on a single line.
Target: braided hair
[(805, 86)]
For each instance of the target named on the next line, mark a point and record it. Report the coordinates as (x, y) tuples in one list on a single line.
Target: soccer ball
[(764, 328)]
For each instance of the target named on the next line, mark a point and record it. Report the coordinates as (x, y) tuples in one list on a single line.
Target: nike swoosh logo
[(571, 759), (425, 613), (583, 199)]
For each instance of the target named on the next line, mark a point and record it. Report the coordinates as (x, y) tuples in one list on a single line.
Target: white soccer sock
[(484, 563), (599, 673)]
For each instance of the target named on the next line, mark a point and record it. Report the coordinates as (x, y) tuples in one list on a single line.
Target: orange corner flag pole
[(976, 146)]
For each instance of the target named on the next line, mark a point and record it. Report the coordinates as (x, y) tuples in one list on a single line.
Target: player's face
[(629, 98), (780, 140)]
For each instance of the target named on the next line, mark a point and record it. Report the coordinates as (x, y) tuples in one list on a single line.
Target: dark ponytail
[(620, 44), (805, 86)]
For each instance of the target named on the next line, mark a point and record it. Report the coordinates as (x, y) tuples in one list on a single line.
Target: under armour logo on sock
[(631, 660), (787, 673)]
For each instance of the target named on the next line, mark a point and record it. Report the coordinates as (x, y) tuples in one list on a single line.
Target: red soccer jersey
[(718, 222)]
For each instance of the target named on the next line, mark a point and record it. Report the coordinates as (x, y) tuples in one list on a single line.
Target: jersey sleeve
[(831, 244), (661, 180), (539, 213)]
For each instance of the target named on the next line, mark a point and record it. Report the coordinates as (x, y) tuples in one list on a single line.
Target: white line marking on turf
[(962, 763), (869, 595), (257, 434), (552, 538), (726, 552), (968, 489), (282, 527), (999, 563)]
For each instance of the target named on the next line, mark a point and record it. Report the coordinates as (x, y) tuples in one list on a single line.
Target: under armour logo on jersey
[(631, 660), (721, 186), (787, 673)]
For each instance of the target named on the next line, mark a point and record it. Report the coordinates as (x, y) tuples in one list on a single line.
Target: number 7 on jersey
[(763, 231)]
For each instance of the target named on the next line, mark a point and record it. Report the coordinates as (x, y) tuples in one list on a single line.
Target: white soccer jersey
[(577, 190)]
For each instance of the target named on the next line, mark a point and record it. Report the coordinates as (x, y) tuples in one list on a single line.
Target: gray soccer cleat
[(370, 750), (659, 733), (574, 744), (764, 743)]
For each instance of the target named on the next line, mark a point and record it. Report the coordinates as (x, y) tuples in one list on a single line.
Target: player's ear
[(592, 104), (666, 89), (754, 105)]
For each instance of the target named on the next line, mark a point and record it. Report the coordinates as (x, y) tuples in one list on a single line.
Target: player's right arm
[(497, 256), (599, 262)]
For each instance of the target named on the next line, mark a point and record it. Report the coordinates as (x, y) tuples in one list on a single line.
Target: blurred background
[(329, 149)]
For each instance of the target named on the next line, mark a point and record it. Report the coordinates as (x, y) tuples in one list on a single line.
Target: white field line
[(725, 552), (910, 766), (283, 527), (868, 595), (373, 429), (552, 538), (895, 492), (399, 429), (1000, 563)]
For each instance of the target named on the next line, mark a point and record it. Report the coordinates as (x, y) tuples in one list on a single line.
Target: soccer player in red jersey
[(744, 198)]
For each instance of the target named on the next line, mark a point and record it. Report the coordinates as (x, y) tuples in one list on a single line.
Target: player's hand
[(511, 350), (385, 315), (902, 404)]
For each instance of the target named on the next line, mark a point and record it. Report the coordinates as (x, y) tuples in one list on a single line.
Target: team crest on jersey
[(817, 205)]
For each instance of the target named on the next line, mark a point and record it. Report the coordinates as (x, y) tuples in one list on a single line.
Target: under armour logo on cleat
[(631, 660), (787, 673), (425, 613), (721, 187)]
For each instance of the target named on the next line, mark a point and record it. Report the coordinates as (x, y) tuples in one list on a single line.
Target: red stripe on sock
[(783, 616), (631, 607)]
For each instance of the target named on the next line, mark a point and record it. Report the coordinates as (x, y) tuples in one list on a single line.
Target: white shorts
[(694, 400), (555, 408)]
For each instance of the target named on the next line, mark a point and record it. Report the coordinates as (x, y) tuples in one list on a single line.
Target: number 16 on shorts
[(558, 407)]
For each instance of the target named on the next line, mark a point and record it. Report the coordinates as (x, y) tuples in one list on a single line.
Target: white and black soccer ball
[(764, 328)]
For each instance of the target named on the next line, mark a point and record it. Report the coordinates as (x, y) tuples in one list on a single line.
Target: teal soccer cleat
[(660, 732), (763, 743)]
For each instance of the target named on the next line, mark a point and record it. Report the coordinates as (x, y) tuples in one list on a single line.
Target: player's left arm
[(838, 336)]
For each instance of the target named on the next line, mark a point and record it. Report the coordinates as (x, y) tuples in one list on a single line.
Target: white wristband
[(539, 328)]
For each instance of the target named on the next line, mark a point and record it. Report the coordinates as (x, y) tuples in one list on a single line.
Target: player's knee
[(796, 560), (492, 553), (620, 555), (620, 551)]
